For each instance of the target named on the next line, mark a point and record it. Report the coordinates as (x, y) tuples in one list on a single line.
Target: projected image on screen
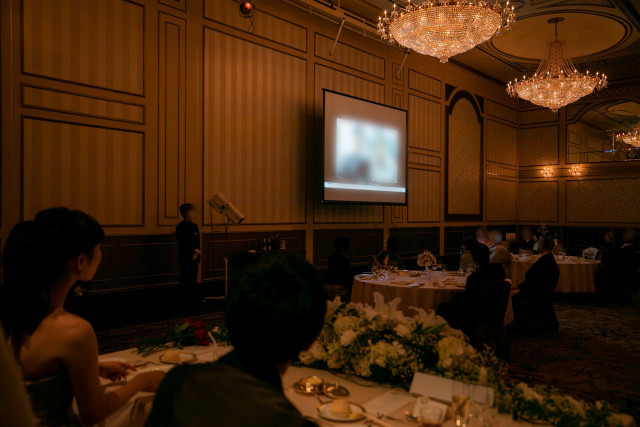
[(366, 153)]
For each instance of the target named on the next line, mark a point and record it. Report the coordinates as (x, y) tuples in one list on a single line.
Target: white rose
[(347, 338), (315, 350), (306, 358)]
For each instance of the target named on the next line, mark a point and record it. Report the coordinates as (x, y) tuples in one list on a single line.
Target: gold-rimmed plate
[(357, 413)]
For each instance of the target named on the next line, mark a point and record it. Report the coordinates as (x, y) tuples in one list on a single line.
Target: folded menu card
[(442, 388)]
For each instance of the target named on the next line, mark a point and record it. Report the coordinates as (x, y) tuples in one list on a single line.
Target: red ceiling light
[(247, 9)]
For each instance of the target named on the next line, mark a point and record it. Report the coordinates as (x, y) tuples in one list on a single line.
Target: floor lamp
[(232, 215)]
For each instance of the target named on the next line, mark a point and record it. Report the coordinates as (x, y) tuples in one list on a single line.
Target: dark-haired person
[(533, 304), (57, 351), (339, 271), (466, 258), (527, 241), (188, 236), (391, 256), (619, 276), (275, 311)]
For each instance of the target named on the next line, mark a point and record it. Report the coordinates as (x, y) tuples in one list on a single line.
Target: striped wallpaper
[(348, 56), (501, 200), (97, 43), (255, 131), (424, 196), (424, 124), (97, 170), (502, 143)]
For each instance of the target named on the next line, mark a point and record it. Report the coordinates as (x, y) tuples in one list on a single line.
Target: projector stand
[(225, 259)]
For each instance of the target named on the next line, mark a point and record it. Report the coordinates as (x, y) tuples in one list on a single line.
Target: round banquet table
[(576, 274), (430, 293), (135, 412)]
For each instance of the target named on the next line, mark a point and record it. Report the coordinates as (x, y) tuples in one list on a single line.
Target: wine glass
[(479, 404), (460, 403)]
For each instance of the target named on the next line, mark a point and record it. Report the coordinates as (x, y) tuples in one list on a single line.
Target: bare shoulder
[(71, 329)]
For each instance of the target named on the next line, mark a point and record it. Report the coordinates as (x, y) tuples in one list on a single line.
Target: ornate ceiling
[(599, 35)]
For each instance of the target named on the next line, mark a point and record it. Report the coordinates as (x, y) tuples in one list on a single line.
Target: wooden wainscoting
[(416, 240), (136, 262)]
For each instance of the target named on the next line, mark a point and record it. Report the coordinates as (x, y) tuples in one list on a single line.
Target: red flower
[(187, 320), (199, 325), (201, 336)]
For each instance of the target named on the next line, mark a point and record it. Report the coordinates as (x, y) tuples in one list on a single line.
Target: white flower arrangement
[(426, 259), (380, 343)]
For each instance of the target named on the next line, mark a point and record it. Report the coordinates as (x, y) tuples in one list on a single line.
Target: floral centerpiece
[(187, 332), (426, 259), (381, 344)]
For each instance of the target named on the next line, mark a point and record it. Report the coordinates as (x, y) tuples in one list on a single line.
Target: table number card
[(434, 387)]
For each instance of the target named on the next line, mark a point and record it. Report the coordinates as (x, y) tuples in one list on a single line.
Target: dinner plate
[(185, 358), (309, 385), (357, 413)]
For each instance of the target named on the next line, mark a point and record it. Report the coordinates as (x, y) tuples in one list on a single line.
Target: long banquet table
[(430, 293), (136, 411), (576, 274)]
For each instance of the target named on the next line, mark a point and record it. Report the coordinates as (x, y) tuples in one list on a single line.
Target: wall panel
[(502, 112), (464, 160), (97, 43), (66, 102), (255, 128), (97, 170), (349, 56), (424, 196), (424, 124), (265, 25), (502, 143), (538, 146), (172, 113), (538, 201), (603, 200), (423, 83), (501, 199)]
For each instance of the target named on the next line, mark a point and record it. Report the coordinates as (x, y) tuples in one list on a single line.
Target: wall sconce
[(575, 171), (547, 172)]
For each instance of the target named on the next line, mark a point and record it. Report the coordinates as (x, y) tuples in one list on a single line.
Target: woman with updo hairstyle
[(56, 351)]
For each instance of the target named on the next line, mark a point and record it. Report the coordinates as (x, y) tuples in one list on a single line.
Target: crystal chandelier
[(632, 137), (557, 82), (445, 28)]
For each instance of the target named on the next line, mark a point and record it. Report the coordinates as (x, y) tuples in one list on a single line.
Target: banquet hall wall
[(126, 109)]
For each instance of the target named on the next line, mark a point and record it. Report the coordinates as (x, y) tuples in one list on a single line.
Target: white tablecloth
[(427, 296), (135, 412), (576, 275)]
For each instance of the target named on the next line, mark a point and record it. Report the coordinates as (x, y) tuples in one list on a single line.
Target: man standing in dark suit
[(275, 310), (533, 304), (188, 236)]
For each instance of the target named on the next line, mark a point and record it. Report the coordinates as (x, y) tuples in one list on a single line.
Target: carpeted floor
[(595, 354)]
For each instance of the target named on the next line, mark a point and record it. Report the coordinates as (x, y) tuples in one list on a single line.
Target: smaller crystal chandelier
[(444, 28), (546, 172), (632, 137), (557, 82), (575, 171)]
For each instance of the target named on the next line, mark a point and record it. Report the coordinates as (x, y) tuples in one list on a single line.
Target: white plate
[(185, 358), (357, 413)]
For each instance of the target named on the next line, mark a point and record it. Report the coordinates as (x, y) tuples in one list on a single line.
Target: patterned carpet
[(594, 355)]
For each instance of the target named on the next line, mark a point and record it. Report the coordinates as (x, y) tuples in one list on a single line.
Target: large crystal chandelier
[(632, 137), (557, 82), (445, 28)]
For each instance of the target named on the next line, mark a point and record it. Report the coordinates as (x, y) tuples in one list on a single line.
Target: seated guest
[(457, 313), (619, 274), (533, 304), (466, 258), (15, 409), (527, 241), (275, 311), (482, 234), (339, 271), (391, 256), (499, 254), (56, 351)]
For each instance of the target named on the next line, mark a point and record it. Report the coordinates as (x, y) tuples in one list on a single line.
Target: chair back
[(491, 303)]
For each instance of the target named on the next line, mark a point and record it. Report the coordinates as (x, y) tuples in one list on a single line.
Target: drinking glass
[(375, 270), (479, 404), (460, 403), (431, 416)]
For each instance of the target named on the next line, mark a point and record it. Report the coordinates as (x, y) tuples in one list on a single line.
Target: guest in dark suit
[(458, 312), (339, 272), (527, 239), (619, 275), (275, 311), (188, 236), (533, 304)]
